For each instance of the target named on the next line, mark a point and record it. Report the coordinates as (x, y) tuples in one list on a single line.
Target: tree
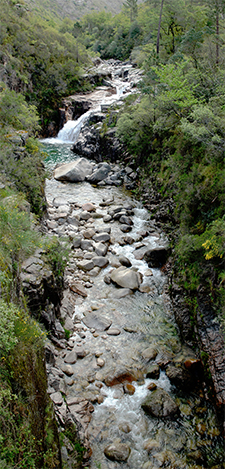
[(159, 27), (132, 6)]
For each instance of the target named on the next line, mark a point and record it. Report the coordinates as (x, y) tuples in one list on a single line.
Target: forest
[(173, 130)]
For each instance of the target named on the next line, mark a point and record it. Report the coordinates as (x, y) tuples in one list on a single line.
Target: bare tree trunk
[(158, 35), (217, 37)]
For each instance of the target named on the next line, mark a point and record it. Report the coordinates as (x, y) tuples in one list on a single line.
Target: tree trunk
[(158, 35)]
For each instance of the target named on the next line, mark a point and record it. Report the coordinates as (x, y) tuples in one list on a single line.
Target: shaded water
[(192, 441)]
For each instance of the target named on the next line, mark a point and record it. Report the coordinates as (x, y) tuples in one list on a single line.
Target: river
[(143, 319)]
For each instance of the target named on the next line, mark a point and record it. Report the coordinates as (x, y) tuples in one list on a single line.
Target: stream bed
[(144, 336)]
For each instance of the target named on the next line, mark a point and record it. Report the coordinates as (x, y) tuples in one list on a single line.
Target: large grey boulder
[(126, 278), (100, 173), (75, 171), (160, 404)]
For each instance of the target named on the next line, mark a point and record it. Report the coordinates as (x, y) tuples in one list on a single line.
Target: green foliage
[(18, 239), (56, 255), (16, 113), (8, 339)]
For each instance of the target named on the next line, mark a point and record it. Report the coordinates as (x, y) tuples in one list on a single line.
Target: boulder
[(157, 257), (100, 173), (160, 404), (100, 261), (96, 321), (74, 172), (126, 278), (118, 376), (117, 452)]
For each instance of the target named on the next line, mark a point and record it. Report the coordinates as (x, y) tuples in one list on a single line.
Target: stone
[(89, 233), (101, 249), (100, 261), (76, 171), (78, 288), (125, 220), (67, 369), (125, 261), (125, 278), (101, 237), (181, 377), (88, 207), (57, 398), (85, 216), (125, 228), (153, 372), (160, 404), (145, 288), (99, 173), (118, 376), (122, 292), (113, 331), (71, 358), (117, 452), (80, 352), (96, 321), (85, 265), (157, 257), (100, 362), (77, 241), (129, 389), (149, 353)]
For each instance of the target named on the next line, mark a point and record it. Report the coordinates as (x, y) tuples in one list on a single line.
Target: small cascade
[(71, 130)]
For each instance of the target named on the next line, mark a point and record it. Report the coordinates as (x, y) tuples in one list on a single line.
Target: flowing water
[(192, 440)]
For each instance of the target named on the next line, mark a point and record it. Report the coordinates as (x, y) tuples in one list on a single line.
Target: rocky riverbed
[(115, 363)]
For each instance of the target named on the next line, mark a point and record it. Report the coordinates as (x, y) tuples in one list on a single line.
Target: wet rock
[(100, 173), (107, 279), (125, 278), (101, 249), (88, 233), (129, 389), (78, 289), (84, 216), (151, 445), (160, 404), (71, 358), (153, 372), (100, 362), (119, 376), (67, 369), (88, 207), (157, 257), (113, 331), (85, 265), (77, 241), (152, 387), (101, 237), (96, 321), (149, 353), (100, 261), (75, 171), (126, 220), (145, 289), (125, 228), (125, 261), (117, 452), (122, 292), (80, 352), (125, 428), (181, 377)]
